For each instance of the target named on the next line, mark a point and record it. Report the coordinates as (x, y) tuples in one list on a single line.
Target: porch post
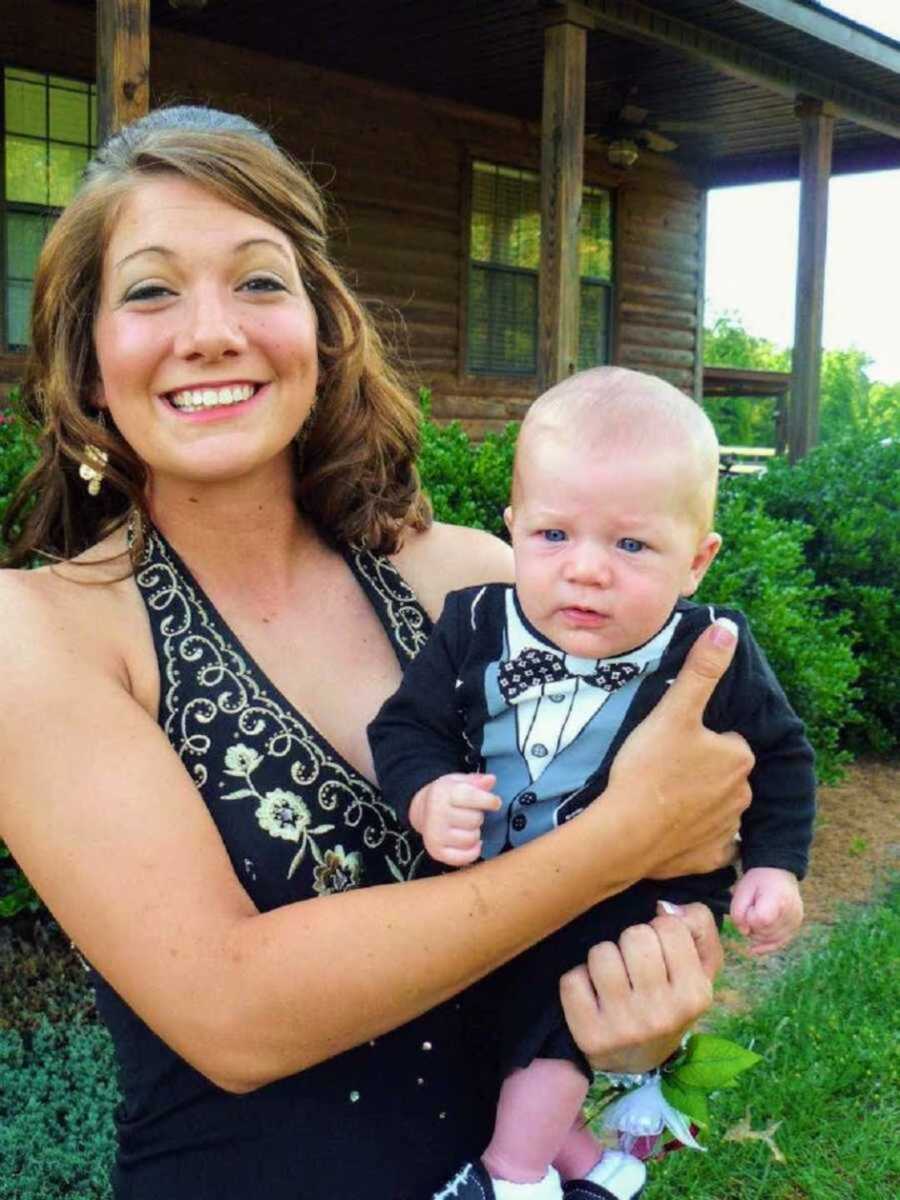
[(123, 63), (562, 172), (816, 129)]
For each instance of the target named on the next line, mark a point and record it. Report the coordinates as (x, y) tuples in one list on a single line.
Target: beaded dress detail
[(393, 1117)]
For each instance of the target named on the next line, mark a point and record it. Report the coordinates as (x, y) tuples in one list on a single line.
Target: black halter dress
[(389, 1120)]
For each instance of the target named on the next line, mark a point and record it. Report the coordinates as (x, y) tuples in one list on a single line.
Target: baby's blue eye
[(553, 535), (631, 545)]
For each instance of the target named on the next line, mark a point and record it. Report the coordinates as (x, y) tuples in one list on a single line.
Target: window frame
[(515, 379), (47, 211)]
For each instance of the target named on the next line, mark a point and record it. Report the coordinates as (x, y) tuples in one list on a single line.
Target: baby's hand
[(449, 813), (767, 908)]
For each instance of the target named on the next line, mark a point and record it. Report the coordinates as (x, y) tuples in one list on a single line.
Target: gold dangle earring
[(93, 469)]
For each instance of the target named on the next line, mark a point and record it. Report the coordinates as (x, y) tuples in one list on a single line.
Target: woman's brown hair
[(358, 481)]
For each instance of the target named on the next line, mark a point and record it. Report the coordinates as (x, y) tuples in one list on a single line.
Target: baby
[(506, 724)]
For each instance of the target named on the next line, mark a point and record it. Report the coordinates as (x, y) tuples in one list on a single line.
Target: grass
[(827, 1090)]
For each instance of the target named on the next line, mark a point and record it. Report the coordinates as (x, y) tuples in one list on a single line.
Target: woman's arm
[(105, 820)]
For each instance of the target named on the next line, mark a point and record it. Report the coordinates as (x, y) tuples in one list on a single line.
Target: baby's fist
[(767, 908), (449, 813)]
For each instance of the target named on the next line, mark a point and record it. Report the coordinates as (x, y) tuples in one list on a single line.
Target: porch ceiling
[(490, 55)]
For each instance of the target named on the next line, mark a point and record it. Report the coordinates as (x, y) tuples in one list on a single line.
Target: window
[(504, 253), (49, 131), (595, 248)]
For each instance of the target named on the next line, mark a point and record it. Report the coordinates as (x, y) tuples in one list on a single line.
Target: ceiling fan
[(632, 129)]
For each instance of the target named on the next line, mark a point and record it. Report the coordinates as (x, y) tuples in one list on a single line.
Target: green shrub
[(41, 976), (57, 1096), (468, 482), (847, 490), (762, 571), (18, 452)]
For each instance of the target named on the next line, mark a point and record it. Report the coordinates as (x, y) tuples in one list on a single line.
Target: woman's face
[(205, 337)]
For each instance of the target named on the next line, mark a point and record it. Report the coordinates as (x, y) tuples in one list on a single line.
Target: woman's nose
[(211, 330)]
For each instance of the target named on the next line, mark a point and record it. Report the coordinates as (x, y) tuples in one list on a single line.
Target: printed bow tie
[(533, 667)]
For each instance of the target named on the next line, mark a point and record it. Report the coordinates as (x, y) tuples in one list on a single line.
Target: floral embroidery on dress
[(403, 610), (339, 871), (301, 794), (279, 812)]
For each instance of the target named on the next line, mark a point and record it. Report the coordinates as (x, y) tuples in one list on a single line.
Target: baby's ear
[(703, 556), (507, 517)]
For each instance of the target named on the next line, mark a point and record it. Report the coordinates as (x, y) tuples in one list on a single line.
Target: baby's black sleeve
[(418, 733), (776, 830)]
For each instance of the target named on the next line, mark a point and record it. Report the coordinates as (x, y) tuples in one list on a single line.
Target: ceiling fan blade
[(656, 141)]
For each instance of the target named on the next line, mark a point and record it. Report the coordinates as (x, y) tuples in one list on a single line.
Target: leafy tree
[(742, 420), (850, 402)]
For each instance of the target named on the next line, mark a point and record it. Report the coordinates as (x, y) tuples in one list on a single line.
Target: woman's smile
[(214, 402)]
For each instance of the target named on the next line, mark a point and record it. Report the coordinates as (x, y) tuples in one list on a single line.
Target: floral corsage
[(668, 1107)]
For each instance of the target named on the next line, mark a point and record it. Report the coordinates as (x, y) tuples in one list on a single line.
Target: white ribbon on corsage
[(645, 1113)]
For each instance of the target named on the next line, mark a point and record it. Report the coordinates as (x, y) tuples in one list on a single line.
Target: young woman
[(186, 689)]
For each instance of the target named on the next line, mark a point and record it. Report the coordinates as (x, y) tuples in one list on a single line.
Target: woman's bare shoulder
[(58, 615), (446, 557)]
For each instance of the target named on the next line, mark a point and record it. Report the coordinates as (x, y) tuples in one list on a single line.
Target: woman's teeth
[(193, 401)]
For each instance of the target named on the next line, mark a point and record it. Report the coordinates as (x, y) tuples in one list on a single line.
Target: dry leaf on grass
[(743, 1132)]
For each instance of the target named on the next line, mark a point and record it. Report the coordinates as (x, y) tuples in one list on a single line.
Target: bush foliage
[(762, 570), (468, 482), (56, 1105), (18, 452), (847, 491)]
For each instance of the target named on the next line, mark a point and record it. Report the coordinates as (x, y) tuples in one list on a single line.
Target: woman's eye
[(148, 291), (263, 283), (631, 545), (553, 535)]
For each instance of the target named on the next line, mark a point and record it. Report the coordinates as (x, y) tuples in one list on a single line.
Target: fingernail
[(724, 632), (668, 907)]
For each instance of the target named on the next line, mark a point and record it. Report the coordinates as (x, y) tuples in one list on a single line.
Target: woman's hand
[(630, 1005), (693, 780)]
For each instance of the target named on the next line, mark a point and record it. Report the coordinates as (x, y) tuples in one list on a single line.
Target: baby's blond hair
[(610, 407)]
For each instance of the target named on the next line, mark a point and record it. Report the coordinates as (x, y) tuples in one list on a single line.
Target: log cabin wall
[(395, 166)]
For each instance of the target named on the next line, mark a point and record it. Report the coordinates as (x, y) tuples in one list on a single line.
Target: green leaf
[(688, 1100), (712, 1062)]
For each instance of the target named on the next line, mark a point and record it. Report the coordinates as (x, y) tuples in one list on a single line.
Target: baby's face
[(605, 542)]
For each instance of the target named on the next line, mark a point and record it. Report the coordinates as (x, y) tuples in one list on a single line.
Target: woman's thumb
[(704, 666)]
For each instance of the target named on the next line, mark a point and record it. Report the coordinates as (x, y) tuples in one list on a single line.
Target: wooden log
[(449, 405), (644, 253), (652, 357), (562, 174), (679, 281), (816, 130), (658, 336), (639, 291), (123, 63), (657, 317)]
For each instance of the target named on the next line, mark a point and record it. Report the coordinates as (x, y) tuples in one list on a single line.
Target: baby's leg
[(535, 1114), (579, 1153), (584, 1157)]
